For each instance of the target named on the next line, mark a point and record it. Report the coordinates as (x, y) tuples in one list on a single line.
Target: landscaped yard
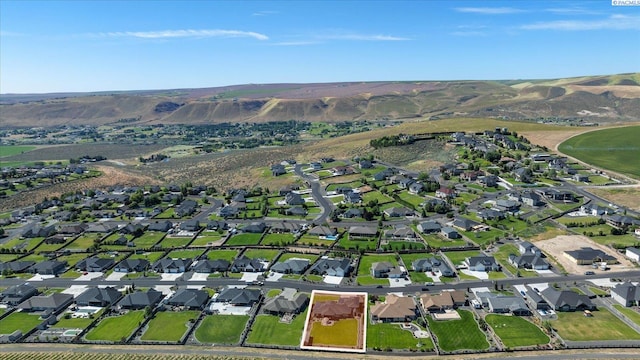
[(629, 313), (314, 241), (207, 237), (19, 321), (459, 334), (343, 333), (116, 328), (174, 241), (278, 239), (267, 329), (287, 256), (364, 268), (244, 239), (346, 243), (169, 325), (603, 325), (502, 256), (515, 331), (148, 239), (221, 329), (266, 254), (184, 254), (437, 242), (392, 336), (228, 255)]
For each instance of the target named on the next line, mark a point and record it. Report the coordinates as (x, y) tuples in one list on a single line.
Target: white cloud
[(613, 22), (489, 10), (360, 37), (572, 11), (169, 34), (264, 13)]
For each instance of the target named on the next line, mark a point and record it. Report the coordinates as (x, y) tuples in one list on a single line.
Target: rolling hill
[(594, 98)]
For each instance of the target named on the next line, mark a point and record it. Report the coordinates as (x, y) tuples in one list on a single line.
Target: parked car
[(589, 273)]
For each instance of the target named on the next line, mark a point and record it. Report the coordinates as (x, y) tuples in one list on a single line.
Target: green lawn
[(365, 280), (207, 237), (19, 321), (228, 255), (392, 336), (184, 254), (629, 313), (483, 237), (10, 150), (364, 267), (116, 328), (244, 239), (502, 256), (267, 329), (174, 241), (169, 325), (615, 149), (515, 331), (221, 329), (459, 334), (457, 257), (266, 254), (148, 239), (314, 241), (287, 256), (278, 239), (402, 245), (149, 256), (346, 243), (436, 241), (603, 325)]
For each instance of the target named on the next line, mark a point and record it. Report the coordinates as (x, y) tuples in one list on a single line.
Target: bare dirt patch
[(628, 196), (558, 245)]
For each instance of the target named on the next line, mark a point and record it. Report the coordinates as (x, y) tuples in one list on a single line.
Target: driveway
[(90, 276), (396, 283)]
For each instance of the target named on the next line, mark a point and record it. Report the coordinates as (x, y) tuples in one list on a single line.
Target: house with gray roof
[(566, 300), (95, 264), (362, 231), (239, 297), (141, 299), (16, 266), (450, 233), (161, 226), (626, 294), (588, 256), (244, 264), (332, 267), (16, 294), (287, 302), (323, 231), (508, 305), (100, 297), (293, 199), (429, 227), (291, 266), (482, 263), (256, 227), (49, 267), (210, 266), (53, 303), (384, 269), (191, 299), (131, 265), (172, 265), (528, 261)]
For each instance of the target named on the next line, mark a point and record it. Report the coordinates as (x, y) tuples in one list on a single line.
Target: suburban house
[(291, 266), (332, 267), (191, 299), (244, 264), (352, 213), (450, 233), (285, 227), (526, 247), (465, 224), (566, 300), (323, 232), (140, 299), (296, 211), (49, 267), (443, 301), (345, 307), (536, 301), (588, 256), (491, 214), (529, 261), (191, 225), (416, 188), (352, 197), (400, 232), (210, 266), (394, 309), (186, 208), (621, 222), (508, 205), (162, 226), (362, 232), (633, 253), (384, 269), (239, 297), (530, 198), (17, 294), (131, 265), (292, 199), (53, 303), (429, 227), (482, 263), (559, 195), (287, 302), (95, 264), (595, 209), (626, 294), (16, 266), (256, 227), (100, 297), (395, 212), (432, 264), (171, 265), (508, 305), (445, 193)]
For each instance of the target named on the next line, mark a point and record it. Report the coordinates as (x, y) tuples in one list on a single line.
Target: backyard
[(116, 328), (462, 334), (169, 325), (603, 325), (515, 331), (221, 329)]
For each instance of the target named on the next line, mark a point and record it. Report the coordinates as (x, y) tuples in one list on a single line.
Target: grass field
[(173, 241), (221, 329), (459, 334), (169, 325), (343, 333), (206, 237), (117, 327), (457, 257), (10, 150), (267, 329), (277, 239), (603, 325), (244, 239), (364, 268), (392, 336), (515, 331), (184, 254), (228, 255), (629, 313), (266, 254), (19, 321), (346, 243), (614, 149), (287, 256)]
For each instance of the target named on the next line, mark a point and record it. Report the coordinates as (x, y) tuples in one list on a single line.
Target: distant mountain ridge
[(592, 98)]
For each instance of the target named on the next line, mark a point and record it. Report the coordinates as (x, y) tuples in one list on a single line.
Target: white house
[(633, 254)]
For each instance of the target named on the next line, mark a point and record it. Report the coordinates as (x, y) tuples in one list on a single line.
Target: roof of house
[(565, 297), (394, 307), (141, 299), (238, 296), (627, 291), (107, 295), (53, 301), (587, 253), (294, 265), (189, 297), (285, 303)]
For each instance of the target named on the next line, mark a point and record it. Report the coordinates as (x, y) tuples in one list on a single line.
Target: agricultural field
[(169, 325), (10, 150), (603, 325), (116, 328), (613, 149), (221, 329), (515, 331), (463, 334)]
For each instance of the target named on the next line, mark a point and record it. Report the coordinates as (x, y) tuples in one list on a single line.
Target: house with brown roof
[(394, 309), (443, 301)]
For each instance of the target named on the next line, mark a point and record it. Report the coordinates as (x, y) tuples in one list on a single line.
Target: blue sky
[(58, 46)]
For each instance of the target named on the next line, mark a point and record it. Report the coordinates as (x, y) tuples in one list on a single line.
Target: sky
[(81, 46)]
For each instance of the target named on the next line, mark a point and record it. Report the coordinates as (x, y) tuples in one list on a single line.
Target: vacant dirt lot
[(558, 245)]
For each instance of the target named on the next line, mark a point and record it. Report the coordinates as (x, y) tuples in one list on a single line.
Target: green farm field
[(10, 150), (615, 149)]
